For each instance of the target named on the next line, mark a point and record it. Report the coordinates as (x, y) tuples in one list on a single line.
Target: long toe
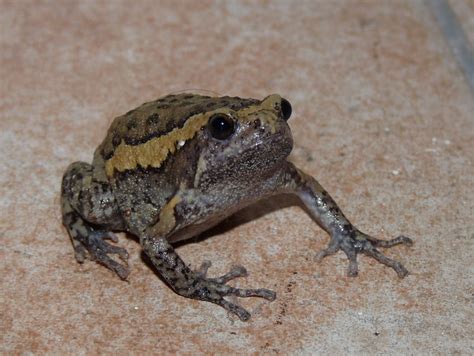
[(243, 314), (235, 272), (246, 293)]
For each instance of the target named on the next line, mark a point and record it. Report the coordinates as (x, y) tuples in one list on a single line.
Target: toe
[(396, 266), (332, 248), (80, 253), (110, 236), (202, 270), (353, 269), (243, 314), (122, 271), (245, 293)]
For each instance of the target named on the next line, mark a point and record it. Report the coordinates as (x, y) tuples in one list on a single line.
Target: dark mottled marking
[(132, 123), (173, 280), (135, 142), (234, 107), (130, 112), (153, 119), (131, 174), (189, 96), (348, 227), (116, 140), (107, 154), (171, 116), (170, 125)]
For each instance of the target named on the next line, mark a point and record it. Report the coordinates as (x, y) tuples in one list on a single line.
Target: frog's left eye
[(285, 109), (221, 126)]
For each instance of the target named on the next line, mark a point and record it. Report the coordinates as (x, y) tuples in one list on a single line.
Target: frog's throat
[(154, 152)]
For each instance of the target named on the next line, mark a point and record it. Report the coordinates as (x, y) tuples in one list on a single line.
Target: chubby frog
[(176, 166)]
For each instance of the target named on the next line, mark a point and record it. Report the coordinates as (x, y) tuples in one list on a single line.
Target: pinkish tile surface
[(382, 117)]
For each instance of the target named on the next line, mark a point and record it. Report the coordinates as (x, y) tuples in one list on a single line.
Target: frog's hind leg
[(83, 201), (196, 284)]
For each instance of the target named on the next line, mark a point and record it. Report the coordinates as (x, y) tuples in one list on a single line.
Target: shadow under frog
[(173, 168)]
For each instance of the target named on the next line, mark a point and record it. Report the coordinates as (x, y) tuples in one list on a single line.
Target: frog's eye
[(285, 109), (221, 126)]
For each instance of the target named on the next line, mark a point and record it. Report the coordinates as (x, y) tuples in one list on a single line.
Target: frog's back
[(159, 117)]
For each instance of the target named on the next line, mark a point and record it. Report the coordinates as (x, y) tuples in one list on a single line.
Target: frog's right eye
[(221, 126)]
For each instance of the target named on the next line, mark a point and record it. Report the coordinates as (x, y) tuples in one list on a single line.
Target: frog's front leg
[(344, 236), (89, 212), (194, 284)]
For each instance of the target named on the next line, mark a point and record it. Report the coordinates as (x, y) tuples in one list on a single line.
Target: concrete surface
[(382, 117)]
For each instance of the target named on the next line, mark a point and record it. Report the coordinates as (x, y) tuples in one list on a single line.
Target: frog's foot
[(90, 243), (99, 250), (215, 289), (353, 242)]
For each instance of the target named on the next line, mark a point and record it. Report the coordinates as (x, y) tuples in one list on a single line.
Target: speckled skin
[(162, 175)]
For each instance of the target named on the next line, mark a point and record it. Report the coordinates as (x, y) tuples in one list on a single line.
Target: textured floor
[(383, 117)]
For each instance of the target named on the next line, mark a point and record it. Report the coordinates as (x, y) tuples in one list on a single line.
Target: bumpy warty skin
[(177, 166)]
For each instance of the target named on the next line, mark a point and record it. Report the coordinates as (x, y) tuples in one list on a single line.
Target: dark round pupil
[(221, 126), (285, 109)]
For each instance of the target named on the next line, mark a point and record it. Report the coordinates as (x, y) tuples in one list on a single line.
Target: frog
[(174, 167)]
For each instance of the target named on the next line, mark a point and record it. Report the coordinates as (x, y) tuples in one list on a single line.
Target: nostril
[(257, 123)]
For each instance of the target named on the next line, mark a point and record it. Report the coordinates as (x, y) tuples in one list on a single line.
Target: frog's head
[(228, 138), (248, 142)]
